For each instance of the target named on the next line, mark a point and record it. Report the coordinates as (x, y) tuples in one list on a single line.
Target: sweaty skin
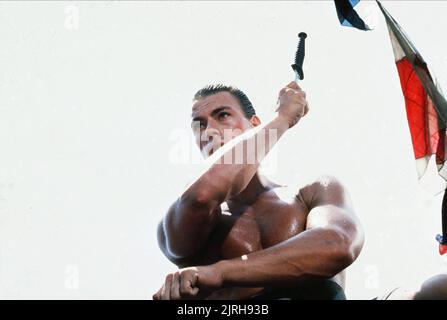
[(233, 233)]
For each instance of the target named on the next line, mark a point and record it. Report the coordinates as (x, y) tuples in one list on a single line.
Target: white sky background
[(90, 108)]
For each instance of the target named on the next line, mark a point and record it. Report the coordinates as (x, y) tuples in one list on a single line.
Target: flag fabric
[(353, 13), (425, 106)]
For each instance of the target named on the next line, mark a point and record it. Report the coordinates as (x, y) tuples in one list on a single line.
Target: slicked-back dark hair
[(246, 105)]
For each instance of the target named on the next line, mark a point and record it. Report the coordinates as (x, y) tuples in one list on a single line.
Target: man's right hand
[(292, 104)]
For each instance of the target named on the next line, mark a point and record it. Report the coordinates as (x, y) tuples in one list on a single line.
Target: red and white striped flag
[(425, 105)]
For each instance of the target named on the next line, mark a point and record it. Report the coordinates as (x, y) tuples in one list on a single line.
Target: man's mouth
[(212, 147)]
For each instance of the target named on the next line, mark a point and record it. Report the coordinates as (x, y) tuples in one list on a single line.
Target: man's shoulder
[(320, 189), (324, 183), (307, 190), (320, 183)]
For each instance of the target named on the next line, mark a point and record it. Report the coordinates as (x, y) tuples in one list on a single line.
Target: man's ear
[(255, 121)]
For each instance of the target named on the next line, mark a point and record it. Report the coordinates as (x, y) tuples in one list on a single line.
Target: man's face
[(216, 119)]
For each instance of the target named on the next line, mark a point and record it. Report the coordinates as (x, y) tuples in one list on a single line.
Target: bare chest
[(257, 227)]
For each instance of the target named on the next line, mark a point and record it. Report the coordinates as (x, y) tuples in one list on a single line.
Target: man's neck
[(257, 185)]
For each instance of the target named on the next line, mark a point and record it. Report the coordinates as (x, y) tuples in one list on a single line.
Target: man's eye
[(198, 125), (223, 115)]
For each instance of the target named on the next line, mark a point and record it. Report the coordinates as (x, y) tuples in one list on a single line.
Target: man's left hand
[(190, 283)]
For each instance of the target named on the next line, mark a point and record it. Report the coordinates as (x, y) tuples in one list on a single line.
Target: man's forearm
[(313, 253), (236, 163)]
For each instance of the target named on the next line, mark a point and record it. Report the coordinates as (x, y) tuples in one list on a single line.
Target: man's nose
[(210, 131)]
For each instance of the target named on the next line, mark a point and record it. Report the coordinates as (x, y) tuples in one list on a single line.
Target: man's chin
[(210, 153)]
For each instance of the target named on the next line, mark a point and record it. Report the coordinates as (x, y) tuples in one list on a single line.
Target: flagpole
[(442, 239)]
